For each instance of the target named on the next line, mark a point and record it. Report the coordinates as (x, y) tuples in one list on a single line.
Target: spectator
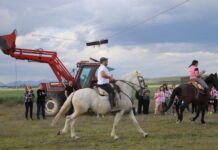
[(211, 101), (139, 96), (143, 97), (29, 95), (175, 101), (166, 96), (215, 100), (41, 94), (68, 90), (146, 97), (159, 98)]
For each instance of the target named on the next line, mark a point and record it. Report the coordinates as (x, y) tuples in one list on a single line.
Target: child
[(159, 99)]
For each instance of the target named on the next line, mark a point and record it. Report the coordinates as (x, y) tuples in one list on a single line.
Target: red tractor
[(85, 76)]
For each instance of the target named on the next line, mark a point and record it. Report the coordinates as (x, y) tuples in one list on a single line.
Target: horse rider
[(196, 75), (104, 79)]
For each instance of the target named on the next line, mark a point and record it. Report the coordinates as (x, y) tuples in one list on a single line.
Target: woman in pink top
[(196, 75)]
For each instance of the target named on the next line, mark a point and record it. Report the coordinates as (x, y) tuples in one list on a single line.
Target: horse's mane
[(210, 78), (131, 74)]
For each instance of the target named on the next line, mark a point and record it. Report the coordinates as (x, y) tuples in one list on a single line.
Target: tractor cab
[(86, 74)]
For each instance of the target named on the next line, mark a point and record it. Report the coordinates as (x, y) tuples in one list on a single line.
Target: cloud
[(162, 47)]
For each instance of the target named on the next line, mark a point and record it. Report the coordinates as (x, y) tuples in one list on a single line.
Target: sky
[(164, 46)]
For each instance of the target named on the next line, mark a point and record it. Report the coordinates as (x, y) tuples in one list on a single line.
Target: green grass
[(20, 134), (12, 95), (16, 96)]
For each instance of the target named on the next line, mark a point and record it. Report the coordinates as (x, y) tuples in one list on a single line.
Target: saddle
[(102, 92), (197, 85)]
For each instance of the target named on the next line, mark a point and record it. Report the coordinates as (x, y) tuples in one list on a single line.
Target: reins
[(132, 86)]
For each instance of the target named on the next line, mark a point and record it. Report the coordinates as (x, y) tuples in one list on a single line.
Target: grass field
[(16, 133), (16, 96), (11, 95)]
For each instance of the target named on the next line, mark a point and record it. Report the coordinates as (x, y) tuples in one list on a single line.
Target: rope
[(149, 18), (15, 68)]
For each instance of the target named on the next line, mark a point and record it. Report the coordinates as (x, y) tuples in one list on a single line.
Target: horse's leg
[(116, 121), (197, 113), (73, 133), (66, 126), (182, 108), (202, 114), (132, 116), (177, 111)]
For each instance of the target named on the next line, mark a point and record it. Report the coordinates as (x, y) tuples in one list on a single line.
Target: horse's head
[(212, 80), (137, 79)]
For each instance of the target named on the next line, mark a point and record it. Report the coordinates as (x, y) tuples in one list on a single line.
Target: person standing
[(166, 95), (139, 96), (68, 90), (215, 100), (29, 96), (41, 95), (104, 79), (146, 97), (211, 102), (159, 99)]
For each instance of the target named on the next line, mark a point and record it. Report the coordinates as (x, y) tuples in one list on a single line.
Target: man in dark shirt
[(41, 94), (68, 90), (143, 100)]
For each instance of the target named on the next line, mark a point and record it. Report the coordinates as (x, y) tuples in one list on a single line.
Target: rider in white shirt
[(104, 79)]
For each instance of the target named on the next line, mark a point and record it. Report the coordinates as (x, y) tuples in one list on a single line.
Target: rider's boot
[(114, 107)]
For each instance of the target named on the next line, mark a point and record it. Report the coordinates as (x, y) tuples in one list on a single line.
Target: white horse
[(85, 99)]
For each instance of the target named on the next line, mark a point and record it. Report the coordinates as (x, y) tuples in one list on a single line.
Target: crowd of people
[(161, 97), (40, 100)]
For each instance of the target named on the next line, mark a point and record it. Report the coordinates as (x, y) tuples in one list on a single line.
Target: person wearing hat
[(196, 75), (104, 79)]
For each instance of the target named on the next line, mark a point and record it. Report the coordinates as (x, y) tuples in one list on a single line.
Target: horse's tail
[(64, 108), (177, 91)]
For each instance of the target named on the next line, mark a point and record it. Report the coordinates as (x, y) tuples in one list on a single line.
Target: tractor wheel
[(52, 106)]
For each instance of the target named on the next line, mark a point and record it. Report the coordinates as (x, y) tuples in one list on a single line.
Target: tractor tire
[(52, 106)]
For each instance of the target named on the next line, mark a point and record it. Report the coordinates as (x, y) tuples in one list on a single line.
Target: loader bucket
[(7, 42)]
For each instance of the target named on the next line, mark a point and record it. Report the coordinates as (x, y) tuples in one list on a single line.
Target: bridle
[(132, 85)]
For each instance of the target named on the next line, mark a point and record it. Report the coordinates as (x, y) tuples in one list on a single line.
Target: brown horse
[(188, 93)]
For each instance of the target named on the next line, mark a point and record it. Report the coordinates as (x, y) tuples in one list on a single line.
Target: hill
[(23, 83), (170, 80)]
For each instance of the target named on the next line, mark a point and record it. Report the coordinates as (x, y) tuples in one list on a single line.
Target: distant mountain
[(161, 80), (23, 83)]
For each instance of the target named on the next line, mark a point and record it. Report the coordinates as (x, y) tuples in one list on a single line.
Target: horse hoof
[(59, 133), (116, 137), (178, 122), (75, 137), (203, 122), (145, 135)]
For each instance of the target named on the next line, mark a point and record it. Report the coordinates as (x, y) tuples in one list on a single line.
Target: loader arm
[(8, 47)]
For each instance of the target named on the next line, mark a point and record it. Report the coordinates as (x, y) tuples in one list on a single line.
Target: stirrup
[(115, 109)]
